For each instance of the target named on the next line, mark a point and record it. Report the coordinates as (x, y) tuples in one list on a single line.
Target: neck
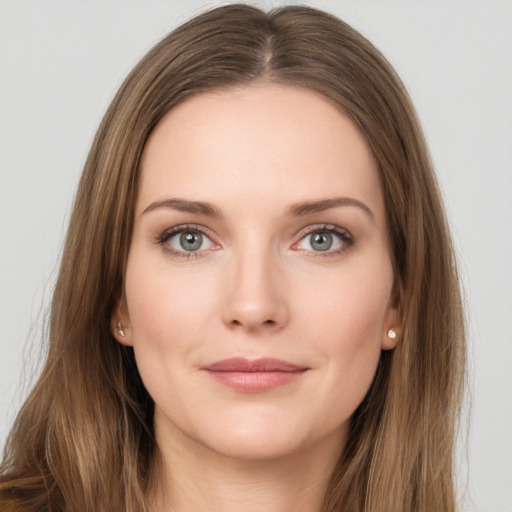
[(191, 477)]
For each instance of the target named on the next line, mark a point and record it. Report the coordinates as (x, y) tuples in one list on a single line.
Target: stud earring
[(392, 334), (120, 329)]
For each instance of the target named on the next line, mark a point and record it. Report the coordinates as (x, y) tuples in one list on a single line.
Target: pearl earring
[(120, 329), (392, 334)]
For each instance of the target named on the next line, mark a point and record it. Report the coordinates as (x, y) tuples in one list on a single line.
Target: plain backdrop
[(62, 61)]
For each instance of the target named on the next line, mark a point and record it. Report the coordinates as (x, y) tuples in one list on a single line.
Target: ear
[(120, 323), (392, 329)]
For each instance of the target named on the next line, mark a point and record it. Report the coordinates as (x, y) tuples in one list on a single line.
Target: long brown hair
[(83, 441)]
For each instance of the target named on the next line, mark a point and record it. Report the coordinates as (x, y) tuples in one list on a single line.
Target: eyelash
[(346, 239), (183, 228), (343, 235)]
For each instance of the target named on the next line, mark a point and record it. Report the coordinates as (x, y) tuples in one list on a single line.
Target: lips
[(239, 364), (254, 376)]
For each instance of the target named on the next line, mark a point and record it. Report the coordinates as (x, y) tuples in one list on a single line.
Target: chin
[(257, 448), (269, 440)]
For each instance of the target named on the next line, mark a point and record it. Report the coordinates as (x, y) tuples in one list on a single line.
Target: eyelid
[(343, 234), (182, 228), (346, 238)]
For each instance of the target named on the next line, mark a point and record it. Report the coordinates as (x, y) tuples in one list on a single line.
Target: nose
[(255, 295)]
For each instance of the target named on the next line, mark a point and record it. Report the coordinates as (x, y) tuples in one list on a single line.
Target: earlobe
[(392, 330), (120, 324), (120, 329), (390, 338)]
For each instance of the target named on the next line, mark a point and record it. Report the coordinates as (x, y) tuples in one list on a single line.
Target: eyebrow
[(295, 210), (184, 205), (321, 205)]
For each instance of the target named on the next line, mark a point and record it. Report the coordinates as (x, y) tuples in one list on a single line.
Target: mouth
[(254, 376)]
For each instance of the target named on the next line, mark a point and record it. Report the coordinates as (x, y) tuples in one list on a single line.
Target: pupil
[(191, 241), (321, 241)]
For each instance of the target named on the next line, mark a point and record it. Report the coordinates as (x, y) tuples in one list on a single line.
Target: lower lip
[(255, 382)]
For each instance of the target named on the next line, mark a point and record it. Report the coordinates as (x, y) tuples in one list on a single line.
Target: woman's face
[(259, 278)]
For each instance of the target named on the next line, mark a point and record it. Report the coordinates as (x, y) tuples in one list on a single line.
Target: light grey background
[(60, 64)]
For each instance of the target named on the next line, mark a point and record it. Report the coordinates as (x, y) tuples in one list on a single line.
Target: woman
[(257, 306)]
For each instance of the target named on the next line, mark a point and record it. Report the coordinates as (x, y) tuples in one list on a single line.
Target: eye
[(325, 239), (189, 241), (186, 241)]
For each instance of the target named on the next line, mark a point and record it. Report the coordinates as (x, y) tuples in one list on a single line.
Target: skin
[(256, 288)]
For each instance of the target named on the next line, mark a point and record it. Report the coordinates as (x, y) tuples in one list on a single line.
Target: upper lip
[(240, 364)]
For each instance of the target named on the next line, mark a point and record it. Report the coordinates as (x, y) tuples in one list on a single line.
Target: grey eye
[(321, 241), (191, 241), (324, 240)]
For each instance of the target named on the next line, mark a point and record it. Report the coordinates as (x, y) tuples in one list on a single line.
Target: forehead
[(264, 142)]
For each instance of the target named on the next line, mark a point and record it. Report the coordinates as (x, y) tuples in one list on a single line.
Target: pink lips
[(254, 376)]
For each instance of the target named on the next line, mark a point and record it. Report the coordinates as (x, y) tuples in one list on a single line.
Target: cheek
[(349, 305), (166, 326), (345, 323), (168, 318), (165, 305)]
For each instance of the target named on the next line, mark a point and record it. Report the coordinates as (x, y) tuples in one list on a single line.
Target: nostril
[(236, 322)]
